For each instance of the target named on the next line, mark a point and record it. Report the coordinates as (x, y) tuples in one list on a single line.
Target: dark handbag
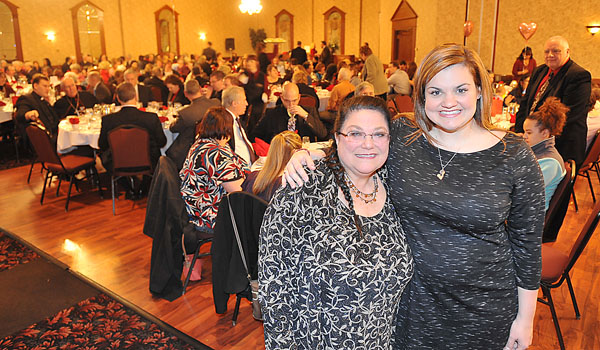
[(256, 311)]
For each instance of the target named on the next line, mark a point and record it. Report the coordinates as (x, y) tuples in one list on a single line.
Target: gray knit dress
[(475, 236)]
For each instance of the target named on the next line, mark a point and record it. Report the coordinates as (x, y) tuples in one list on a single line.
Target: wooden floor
[(114, 252)]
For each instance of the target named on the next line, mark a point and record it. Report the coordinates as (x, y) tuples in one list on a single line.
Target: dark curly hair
[(332, 159), (551, 116)]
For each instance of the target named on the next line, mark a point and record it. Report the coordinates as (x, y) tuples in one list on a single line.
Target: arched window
[(335, 23), (284, 28), (167, 30), (88, 27), (10, 35)]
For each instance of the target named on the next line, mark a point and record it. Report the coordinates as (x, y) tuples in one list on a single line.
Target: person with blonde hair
[(471, 201), (540, 129), (267, 180)]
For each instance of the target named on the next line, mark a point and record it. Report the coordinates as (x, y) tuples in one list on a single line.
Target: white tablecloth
[(6, 113), (88, 134)]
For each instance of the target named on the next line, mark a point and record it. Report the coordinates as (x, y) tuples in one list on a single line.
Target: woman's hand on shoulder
[(294, 173)]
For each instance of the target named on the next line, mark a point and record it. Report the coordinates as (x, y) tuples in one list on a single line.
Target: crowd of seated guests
[(166, 79)]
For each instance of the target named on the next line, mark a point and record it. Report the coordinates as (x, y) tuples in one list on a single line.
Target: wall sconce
[(593, 29), (202, 36), (50, 36)]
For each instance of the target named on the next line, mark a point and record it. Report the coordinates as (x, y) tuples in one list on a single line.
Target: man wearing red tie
[(562, 78)]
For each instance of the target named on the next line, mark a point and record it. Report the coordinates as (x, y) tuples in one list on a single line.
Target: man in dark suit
[(143, 94), (155, 81), (97, 87), (130, 115), (569, 82), (326, 57), (34, 107), (290, 116), (74, 100), (185, 124), (299, 53)]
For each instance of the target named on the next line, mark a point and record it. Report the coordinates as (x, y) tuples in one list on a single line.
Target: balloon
[(468, 28), (527, 29)]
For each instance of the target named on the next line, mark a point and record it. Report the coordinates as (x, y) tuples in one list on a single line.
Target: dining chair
[(404, 103), (556, 266), (231, 275), (130, 149), (557, 208), (156, 93), (66, 166), (391, 105), (590, 163), (308, 101)]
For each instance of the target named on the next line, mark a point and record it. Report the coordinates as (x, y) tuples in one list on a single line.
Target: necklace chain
[(365, 197), (442, 171)]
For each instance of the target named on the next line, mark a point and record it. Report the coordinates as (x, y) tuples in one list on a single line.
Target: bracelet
[(302, 149)]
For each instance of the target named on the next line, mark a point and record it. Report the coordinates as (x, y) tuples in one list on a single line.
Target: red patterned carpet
[(45, 306)]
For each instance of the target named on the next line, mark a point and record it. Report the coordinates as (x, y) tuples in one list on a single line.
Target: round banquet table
[(87, 134), (6, 113)]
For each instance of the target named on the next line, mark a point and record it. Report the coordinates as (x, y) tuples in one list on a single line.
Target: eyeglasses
[(359, 136)]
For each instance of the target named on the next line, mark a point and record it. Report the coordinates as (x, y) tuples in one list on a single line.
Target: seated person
[(398, 80), (267, 180), (130, 115), (342, 90), (186, 121), (290, 116), (211, 169), (593, 117), (74, 100), (142, 93), (517, 94), (98, 88), (5, 87), (363, 89), (34, 107), (176, 95), (300, 78), (540, 129)]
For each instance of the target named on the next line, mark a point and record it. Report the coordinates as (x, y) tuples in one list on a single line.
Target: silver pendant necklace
[(442, 172)]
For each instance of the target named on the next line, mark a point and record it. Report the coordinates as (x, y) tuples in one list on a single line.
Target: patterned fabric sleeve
[(526, 219), (226, 166), (277, 254)]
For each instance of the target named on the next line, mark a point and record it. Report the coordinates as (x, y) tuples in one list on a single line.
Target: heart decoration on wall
[(527, 30), (468, 28)]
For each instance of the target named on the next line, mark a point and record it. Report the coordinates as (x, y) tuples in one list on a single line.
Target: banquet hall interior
[(112, 251)]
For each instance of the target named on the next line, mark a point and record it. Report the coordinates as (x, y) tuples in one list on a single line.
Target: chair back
[(404, 103), (584, 237), (308, 101), (130, 149), (391, 105), (557, 208), (156, 93), (43, 145), (593, 153)]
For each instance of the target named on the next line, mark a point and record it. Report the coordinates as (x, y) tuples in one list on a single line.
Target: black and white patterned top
[(321, 285), (475, 237)]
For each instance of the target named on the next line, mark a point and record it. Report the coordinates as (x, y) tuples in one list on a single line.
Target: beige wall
[(441, 21), (438, 21)]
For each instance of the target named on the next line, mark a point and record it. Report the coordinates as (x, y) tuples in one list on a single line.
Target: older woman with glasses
[(333, 258)]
